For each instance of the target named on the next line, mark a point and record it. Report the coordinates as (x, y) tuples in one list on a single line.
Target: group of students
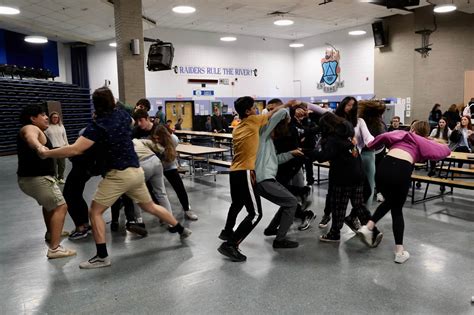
[(271, 151), (268, 160), (105, 147)]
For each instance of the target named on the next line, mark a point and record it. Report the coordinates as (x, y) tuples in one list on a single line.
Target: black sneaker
[(309, 217), (352, 223), (306, 199), (114, 226), (285, 243), (232, 252), (330, 237), (226, 235), (270, 232), (371, 238), (324, 221), (136, 228)]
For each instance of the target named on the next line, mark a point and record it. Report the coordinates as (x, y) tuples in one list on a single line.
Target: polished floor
[(159, 274)]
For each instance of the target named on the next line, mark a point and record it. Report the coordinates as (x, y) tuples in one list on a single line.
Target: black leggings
[(393, 179), (175, 180), (73, 190)]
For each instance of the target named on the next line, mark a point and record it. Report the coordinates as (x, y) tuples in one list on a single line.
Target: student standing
[(56, 133), (393, 178)]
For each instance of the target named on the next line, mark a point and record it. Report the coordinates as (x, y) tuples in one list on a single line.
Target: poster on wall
[(331, 77)]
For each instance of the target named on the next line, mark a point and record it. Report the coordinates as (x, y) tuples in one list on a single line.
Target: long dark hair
[(282, 129), (434, 109), (104, 101), (371, 112), (352, 115), (445, 130), (328, 123)]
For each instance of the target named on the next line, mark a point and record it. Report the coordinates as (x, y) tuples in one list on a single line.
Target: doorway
[(180, 109)]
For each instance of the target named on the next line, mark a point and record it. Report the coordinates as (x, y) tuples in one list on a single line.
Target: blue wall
[(15, 51)]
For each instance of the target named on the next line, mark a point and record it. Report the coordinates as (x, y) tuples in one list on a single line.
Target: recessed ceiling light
[(9, 10), (283, 22), (228, 39), (184, 9), (357, 33), (36, 39), (296, 45), (444, 8), (113, 44)]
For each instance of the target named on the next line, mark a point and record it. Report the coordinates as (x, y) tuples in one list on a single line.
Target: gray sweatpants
[(275, 192)]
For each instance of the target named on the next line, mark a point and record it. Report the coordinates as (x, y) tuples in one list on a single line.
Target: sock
[(177, 228), (101, 250)]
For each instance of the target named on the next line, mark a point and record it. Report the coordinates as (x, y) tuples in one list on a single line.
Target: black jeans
[(176, 182), (73, 190), (128, 207), (393, 180), (242, 192)]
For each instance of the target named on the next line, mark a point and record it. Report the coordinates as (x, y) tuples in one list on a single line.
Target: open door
[(180, 109)]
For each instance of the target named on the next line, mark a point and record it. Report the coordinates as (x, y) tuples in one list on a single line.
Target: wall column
[(131, 73)]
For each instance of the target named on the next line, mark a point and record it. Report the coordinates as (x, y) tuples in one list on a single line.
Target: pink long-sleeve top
[(421, 149)]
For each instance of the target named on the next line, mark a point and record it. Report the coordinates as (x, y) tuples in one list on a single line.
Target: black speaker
[(379, 34), (160, 57)]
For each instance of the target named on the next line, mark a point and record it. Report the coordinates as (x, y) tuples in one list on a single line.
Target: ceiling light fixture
[(228, 39), (184, 9), (357, 32), (113, 44), (9, 10), (34, 39), (296, 45), (283, 22), (444, 8)]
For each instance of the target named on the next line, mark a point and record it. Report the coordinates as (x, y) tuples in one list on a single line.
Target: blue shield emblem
[(329, 72)]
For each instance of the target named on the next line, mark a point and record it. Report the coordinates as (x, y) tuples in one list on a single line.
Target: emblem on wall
[(331, 79)]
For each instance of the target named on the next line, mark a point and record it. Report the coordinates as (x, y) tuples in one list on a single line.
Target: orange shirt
[(245, 141)]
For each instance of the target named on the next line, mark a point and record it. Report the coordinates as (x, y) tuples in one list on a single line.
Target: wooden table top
[(203, 133), (461, 156), (198, 150)]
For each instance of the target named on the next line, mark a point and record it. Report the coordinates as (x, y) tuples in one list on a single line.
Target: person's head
[(216, 111), (54, 118), (143, 103), (34, 114), (452, 108), (274, 102), (331, 124), (160, 108), (161, 135), (282, 128), (466, 122), (169, 122), (348, 109), (420, 127), (245, 106), (395, 122), (142, 120), (209, 118), (104, 101), (436, 107), (442, 123)]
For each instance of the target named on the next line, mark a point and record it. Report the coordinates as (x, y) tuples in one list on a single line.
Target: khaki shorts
[(130, 181), (43, 189)]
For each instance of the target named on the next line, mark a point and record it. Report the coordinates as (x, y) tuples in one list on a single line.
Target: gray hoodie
[(266, 166)]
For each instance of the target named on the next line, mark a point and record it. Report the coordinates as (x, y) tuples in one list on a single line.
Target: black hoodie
[(337, 148)]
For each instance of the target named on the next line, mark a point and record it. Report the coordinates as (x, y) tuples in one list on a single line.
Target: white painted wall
[(102, 63), (357, 62)]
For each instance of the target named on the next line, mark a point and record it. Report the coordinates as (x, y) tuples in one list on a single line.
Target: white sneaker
[(401, 257), (191, 215), (95, 262), (380, 198), (60, 252), (366, 235)]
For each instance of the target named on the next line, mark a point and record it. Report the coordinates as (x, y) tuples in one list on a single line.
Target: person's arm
[(433, 133), (386, 139), (286, 156), (276, 109), (154, 146), (65, 135), (81, 145), (315, 108), (432, 150), (275, 118), (31, 136)]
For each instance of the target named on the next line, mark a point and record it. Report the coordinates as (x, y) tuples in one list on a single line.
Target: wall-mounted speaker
[(379, 34)]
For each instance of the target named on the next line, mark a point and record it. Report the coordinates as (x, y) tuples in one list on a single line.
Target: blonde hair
[(60, 121), (164, 138)]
